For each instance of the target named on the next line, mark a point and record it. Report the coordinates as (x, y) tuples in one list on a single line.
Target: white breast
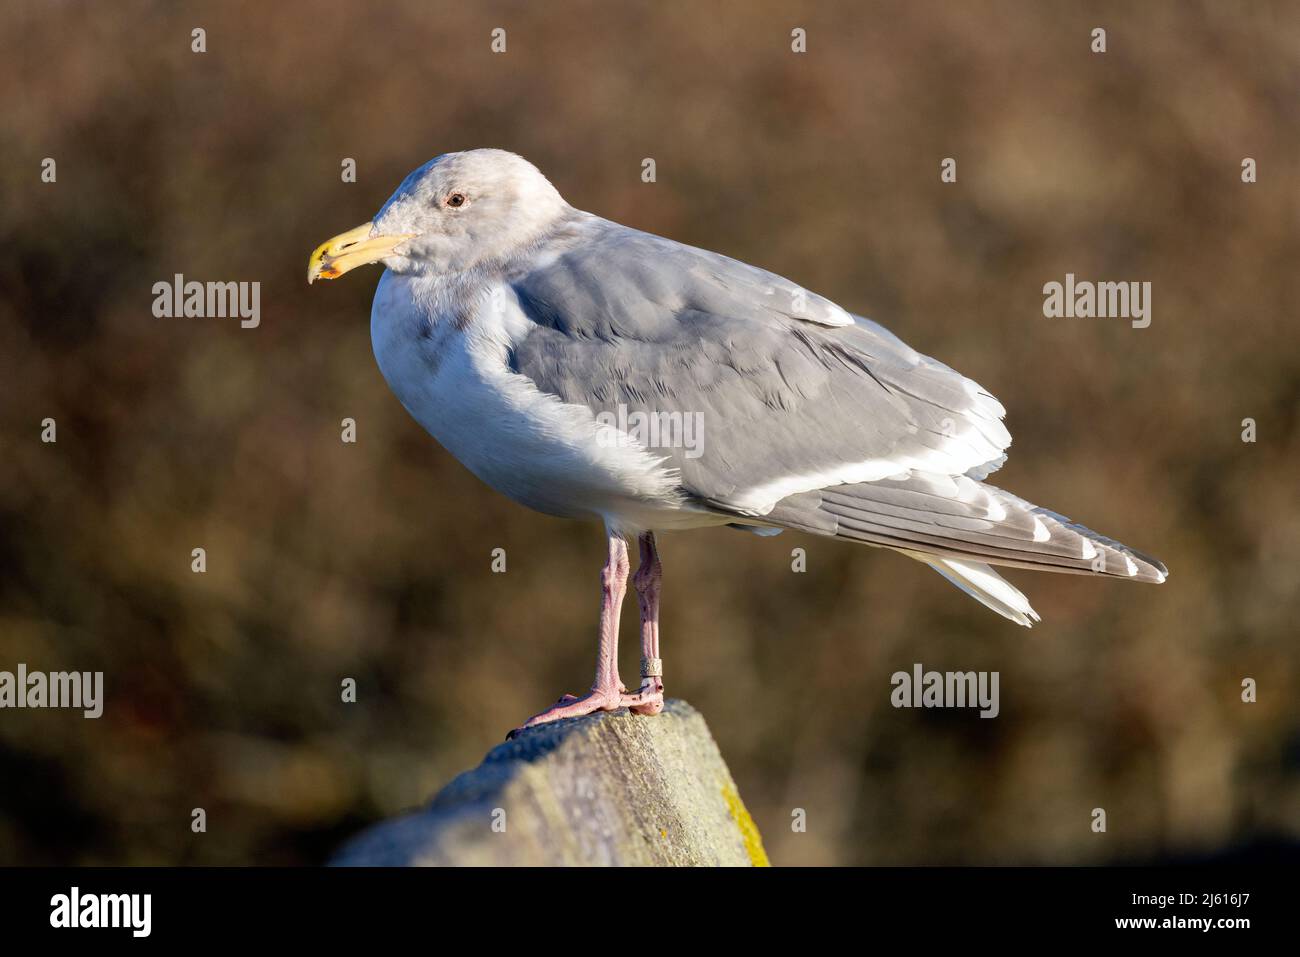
[(546, 454)]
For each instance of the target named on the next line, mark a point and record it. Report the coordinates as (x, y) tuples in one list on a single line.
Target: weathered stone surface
[(611, 788)]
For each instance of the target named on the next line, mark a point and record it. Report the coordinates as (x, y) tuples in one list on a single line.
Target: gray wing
[(789, 392)]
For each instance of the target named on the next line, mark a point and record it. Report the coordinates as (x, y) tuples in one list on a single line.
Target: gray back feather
[(626, 319)]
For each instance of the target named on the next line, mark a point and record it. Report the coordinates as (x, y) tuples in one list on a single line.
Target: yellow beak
[(346, 251)]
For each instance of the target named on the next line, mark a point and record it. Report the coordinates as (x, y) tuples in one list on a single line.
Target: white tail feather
[(984, 585)]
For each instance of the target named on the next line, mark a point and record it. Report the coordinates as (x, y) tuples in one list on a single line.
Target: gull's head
[(455, 211)]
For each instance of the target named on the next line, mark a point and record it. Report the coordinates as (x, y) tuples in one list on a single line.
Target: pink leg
[(647, 581), (607, 692)]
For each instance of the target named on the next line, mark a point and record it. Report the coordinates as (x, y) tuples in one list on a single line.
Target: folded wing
[(790, 392)]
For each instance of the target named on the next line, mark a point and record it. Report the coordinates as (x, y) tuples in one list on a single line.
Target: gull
[(592, 371)]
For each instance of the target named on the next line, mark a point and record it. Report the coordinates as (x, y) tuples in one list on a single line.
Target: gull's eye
[(456, 199)]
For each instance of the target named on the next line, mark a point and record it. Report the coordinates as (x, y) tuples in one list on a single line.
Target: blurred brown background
[(372, 560)]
